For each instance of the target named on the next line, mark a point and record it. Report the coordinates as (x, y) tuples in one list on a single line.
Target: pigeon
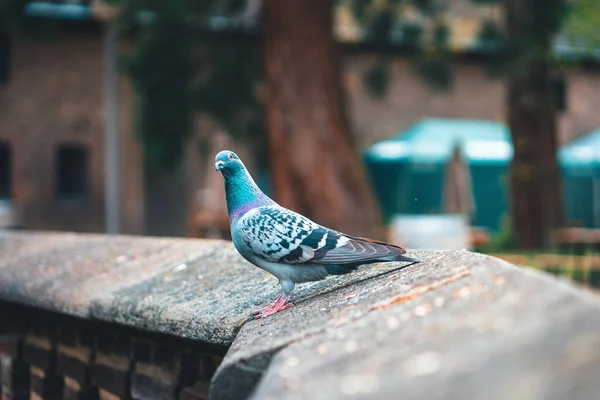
[(286, 244)]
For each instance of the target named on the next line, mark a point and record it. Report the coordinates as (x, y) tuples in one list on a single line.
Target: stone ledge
[(458, 324), (190, 288)]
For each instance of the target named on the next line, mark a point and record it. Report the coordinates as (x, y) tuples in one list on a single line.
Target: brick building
[(474, 96), (52, 129), (52, 124)]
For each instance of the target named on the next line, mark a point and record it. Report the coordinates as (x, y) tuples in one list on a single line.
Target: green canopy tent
[(408, 170), (458, 188), (580, 162)]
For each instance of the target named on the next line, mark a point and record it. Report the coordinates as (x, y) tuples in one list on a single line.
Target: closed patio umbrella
[(458, 190)]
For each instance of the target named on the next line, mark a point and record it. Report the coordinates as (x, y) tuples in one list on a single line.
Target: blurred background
[(432, 124)]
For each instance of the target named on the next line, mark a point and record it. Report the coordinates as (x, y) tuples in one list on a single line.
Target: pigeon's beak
[(219, 165)]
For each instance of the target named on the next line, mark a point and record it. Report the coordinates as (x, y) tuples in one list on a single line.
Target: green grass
[(584, 269)]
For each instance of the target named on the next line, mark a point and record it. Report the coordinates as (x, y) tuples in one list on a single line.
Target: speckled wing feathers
[(279, 235)]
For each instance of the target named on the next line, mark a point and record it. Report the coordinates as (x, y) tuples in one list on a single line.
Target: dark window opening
[(5, 170), (72, 171), (559, 87), (5, 53)]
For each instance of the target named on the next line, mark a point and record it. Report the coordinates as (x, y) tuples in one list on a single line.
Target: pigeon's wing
[(279, 235)]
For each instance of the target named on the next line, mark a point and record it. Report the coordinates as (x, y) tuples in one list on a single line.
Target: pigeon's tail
[(341, 269), (351, 266), (400, 257), (336, 269), (381, 251), (360, 251)]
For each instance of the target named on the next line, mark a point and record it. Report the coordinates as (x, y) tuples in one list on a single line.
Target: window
[(5, 170), (559, 87), (4, 56), (72, 171)]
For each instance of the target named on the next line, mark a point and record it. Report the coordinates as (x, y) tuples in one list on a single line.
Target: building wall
[(583, 102), (56, 95), (474, 95)]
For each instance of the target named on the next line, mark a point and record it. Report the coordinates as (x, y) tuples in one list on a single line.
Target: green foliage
[(486, 1), (436, 71), (531, 28), (360, 8), (425, 41), (411, 36), (511, 51), (380, 27), (582, 26), (441, 36), (179, 68), (11, 12), (13, 19), (160, 68), (503, 239), (226, 86), (433, 64), (490, 35), (161, 71), (491, 41), (427, 7), (376, 79), (220, 7)]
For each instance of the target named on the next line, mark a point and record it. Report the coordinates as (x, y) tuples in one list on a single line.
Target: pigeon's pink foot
[(280, 304)]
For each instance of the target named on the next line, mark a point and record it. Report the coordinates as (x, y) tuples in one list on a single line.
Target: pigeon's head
[(228, 162)]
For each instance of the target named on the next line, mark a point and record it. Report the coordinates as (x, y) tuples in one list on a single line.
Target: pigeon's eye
[(231, 156)]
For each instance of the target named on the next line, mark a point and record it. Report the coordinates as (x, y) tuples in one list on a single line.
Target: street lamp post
[(112, 151)]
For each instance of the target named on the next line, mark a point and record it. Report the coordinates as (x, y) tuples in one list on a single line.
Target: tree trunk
[(314, 168), (535, 180)]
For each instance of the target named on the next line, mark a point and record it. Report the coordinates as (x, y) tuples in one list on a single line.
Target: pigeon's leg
[(269, 308), (283, 302)]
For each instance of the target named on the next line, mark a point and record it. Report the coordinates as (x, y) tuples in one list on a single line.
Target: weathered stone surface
[(197, 289), (457, 326)]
